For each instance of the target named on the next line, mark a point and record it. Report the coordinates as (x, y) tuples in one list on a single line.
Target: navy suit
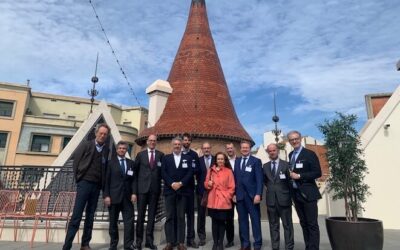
[(190, 206), (201, 211), (306, 195), (249, 183), (118, 186), (176, 201)]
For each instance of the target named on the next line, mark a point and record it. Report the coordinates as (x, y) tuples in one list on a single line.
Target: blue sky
[(318, 56)]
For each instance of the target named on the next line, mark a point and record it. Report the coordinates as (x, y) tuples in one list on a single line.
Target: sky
[(319, 57)]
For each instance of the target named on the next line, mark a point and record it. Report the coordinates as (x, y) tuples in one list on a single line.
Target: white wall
[(382, 156)]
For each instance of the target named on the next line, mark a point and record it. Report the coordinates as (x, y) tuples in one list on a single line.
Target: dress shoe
[(151, 246), (168, 247), (202, 242), (192, 244), (182, 247), (85, 248), (229, 244), (136, 246)]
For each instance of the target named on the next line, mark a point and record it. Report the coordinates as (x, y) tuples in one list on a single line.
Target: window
[(6, 108), (40, 143), (3, 145), (65, 141)]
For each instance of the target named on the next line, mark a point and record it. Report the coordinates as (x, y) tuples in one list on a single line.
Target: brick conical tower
[(200, 103)]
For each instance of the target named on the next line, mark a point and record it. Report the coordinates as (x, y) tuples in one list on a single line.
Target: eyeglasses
[(294, 139)]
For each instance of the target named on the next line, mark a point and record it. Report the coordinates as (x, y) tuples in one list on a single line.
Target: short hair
[(152, 135), (294, 132), (245, 142), (272, 144), (206, 142), (176, 138), (122, 143), (102, 125), (187, 135)]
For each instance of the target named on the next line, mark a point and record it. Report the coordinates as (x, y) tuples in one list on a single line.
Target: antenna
[(275, 119), (93, 92)]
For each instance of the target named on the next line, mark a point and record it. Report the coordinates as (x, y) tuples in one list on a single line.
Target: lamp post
[(93, 92), (275, 119)]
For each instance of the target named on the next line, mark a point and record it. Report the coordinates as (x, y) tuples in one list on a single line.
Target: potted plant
[(346, 182)]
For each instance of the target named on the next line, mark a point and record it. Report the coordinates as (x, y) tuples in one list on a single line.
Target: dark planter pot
[(365, 234)]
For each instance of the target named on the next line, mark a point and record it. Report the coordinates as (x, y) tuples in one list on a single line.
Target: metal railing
[(55, 180)]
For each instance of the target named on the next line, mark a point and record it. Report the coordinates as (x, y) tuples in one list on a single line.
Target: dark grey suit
[(118, 188), (279, 202), (147, 187)]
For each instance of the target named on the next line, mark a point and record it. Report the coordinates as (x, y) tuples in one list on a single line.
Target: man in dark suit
[(305, 168), (118, 195), (278, 198), (249, 186), (205, 162), (147, 189), (230, 222), (177, 173), (90, 162), (190, 234)]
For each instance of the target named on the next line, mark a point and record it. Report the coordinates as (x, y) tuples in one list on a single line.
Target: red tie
[(151, 159)]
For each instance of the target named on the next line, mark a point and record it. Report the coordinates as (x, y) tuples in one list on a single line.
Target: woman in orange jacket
[(220, 184)]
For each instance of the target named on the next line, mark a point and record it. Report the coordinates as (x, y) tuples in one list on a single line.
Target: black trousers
[(175, 207), (218, 231), (201, 218), (87, 195), (285, 214), (190, 217), (230, 224), (307, 211), (128, 214), (149, 200)]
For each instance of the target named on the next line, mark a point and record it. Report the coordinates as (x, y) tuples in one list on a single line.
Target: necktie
[(273, 169), (151, 159), (243, 163), (207, 162), (122, 166), (293, 160)]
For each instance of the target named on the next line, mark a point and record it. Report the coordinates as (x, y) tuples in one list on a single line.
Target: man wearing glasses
[(305, 168)]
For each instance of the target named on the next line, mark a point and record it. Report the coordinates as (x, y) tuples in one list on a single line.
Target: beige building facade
[(35, 127)]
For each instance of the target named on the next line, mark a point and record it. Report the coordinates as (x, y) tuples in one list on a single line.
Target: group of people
[(217, 183)]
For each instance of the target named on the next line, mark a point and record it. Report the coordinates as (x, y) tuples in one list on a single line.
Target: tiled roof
[(200, 103), (321, 151)]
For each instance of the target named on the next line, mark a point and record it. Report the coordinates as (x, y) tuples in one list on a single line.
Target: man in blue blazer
[(176, 172), (249, 186), (205, 162), (305, 169), (190, 235)]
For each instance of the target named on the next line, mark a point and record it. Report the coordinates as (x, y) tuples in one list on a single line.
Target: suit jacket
[(278, 187), (201, 174), (195, 164), (184, 174), (307, 165), (83, 157), (147, 179), (249, 180), (118, 184)]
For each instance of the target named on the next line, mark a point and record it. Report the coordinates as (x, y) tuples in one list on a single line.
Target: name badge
[(282, 176), (130, 172), (193, 164), (248, 169), (184, 165), (299, 165), (159, 164)]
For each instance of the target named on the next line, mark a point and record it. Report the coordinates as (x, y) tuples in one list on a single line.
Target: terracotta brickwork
[(200, 103)]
